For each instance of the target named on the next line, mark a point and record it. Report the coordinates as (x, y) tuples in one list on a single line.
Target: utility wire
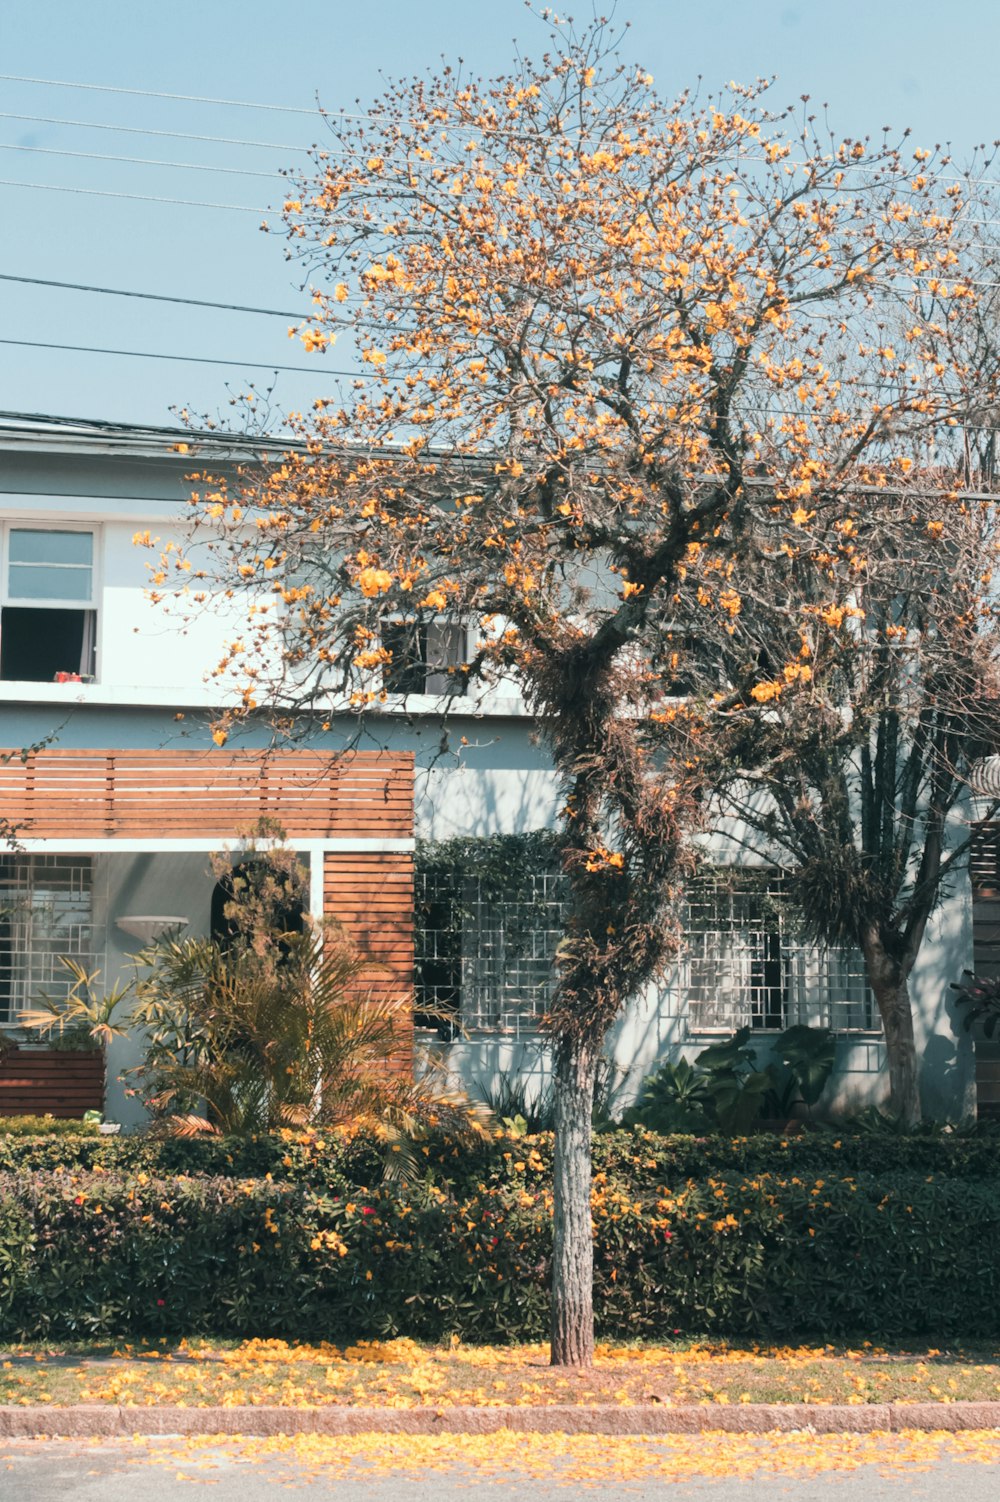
[(140, 161), (191, 302), (106, 88), (889, 399), (181, 135), (141, 130), (189, 203), (185, 135), (148, 354), (369, 115)]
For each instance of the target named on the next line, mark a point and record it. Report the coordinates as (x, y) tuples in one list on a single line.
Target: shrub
[(342, 1158), (116, 1255), (725, 1091), (46, 1126)]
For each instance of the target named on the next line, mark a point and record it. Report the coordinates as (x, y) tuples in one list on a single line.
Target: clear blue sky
[(931, 66)]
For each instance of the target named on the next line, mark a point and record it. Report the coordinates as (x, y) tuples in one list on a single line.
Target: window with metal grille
[(484, 957), (46, 911), (745, 962)]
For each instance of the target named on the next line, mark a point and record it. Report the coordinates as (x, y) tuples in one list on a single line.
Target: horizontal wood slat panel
[(371, 897), (36, 1082), (207, 794)]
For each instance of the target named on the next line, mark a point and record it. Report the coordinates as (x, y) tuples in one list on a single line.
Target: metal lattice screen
[(746, 964), (46, 911), (484, 959)]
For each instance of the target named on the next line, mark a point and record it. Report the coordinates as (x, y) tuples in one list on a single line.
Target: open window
[(422, 654), (48, 620)]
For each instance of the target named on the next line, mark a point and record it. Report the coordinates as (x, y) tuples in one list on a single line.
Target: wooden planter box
[(40, 1081)]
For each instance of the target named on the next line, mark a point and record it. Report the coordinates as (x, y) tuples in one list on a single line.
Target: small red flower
[(79, 1199), (367, 1210), (161, 1302)]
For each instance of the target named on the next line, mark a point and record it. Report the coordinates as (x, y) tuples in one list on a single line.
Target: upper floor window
[(48, 617), (422, 654)]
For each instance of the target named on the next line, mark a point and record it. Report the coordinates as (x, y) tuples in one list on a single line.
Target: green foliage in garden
[(344, 1159), (47, 1126), (116, 1255), (725, 1090)]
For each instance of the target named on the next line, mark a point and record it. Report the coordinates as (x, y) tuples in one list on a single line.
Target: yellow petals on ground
[(583, 1460), (404, 1374)]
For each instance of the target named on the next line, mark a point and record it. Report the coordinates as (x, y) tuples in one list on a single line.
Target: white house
[(125, 794)]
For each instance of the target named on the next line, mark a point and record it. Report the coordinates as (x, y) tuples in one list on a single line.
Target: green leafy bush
[(725, 1090), (46, 1126), (114, 1255), (339, 1160)]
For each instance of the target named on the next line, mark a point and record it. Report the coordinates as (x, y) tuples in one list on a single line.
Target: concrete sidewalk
[(82, 1420)]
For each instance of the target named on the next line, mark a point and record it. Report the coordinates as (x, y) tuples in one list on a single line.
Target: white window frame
[(19, 602), (93, 605), (822, 985), (450, 685), (39, 932)]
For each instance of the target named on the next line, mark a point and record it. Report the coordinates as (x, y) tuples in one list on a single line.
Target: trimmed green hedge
[(759, 1254), (339, 1161), (46, 1126)]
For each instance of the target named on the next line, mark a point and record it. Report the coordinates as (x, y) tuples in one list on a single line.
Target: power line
[(140, 161), (180, 135), (191, 302), (107, 88), (189, 203), (146, 354), (318, 112), (140, 130), (185, 135), (360, 375)]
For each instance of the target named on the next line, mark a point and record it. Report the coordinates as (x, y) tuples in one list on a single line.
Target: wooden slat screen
[(984, 857), (371, 896), (207, 794), (43, 1081)]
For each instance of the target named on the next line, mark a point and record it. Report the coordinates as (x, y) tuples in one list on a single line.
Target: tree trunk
[(572, 1232), (888, 978)]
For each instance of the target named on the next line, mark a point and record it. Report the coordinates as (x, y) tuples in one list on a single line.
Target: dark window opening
[(407, 672), (422, 654), (289, 916), (768, 991), (438, 956), (36, 645)]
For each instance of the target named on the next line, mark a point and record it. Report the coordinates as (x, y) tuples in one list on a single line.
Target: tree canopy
[(606, 337)]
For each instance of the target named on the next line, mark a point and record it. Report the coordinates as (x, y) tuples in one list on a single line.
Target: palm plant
[(85, 1015), (241, 1043), (263, 1028)]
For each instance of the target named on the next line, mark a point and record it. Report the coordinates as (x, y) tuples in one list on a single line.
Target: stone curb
[(83, 1420)]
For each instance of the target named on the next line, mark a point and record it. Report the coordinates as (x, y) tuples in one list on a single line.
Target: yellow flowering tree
[(587, 318)]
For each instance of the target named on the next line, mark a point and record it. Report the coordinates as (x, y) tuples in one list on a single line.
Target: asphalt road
[(173, 1470)]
